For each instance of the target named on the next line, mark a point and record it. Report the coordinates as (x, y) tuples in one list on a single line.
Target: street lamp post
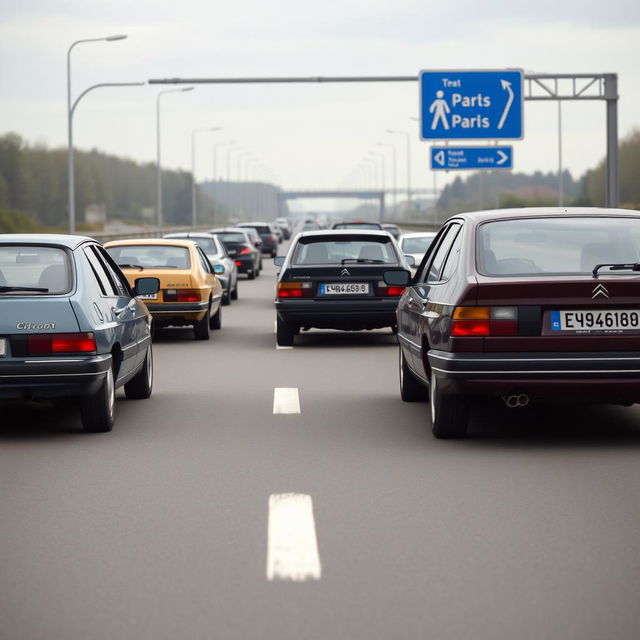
[(393, 169), (215, 171), (383, 182), (194, 197), (70, 168), (408, 141), (159, 220)]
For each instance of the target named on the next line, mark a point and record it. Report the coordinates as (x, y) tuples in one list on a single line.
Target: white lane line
[(286, 400), (292, 549)]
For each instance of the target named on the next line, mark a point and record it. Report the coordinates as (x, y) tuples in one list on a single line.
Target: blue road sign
[(459, 105), (452, 158)]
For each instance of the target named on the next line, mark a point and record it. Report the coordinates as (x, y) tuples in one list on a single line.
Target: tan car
[(190, 293)]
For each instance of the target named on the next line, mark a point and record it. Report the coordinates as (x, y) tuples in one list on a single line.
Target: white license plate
[(344, 288), (592, 321), (3, 347), (149, 296)]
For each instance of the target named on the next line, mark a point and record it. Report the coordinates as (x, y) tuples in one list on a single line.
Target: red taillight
[(182, 295), (485, 321), (383, 289), (295, 290), (244, 251), (271, 239), (48, 344), (238, 263)]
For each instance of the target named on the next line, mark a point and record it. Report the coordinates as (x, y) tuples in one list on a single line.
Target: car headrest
[(54, 278), (371, 252), (316, 253)]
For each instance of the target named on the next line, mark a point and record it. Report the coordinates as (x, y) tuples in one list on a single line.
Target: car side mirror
[(146, 286), (398, 278), (279, 261), (411, 261), (218, 269)]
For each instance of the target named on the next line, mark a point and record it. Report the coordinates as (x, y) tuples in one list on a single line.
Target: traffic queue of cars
[(522, 306)]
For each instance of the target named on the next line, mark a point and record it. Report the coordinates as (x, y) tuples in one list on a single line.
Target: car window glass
[(324, 251), (451, 262), (204, 261), (99, 270), (35, 266), (435, 269), (122, 288), (153, 256)]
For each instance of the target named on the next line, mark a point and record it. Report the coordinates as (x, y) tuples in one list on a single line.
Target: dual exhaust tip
[(516, 400)]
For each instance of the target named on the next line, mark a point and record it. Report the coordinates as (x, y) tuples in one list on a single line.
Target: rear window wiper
[(5, 289), (126, 265), (362, 261), (618, 266)]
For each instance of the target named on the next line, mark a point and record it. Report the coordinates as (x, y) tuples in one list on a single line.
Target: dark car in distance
[(524, 305), (241, 249), (267, 234), (336, 280), (71, 326), (361, 225)]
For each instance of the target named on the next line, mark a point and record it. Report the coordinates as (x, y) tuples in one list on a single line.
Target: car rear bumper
[(52, 377), (339, 314), (594, 375), (244, 263), (191, 311)]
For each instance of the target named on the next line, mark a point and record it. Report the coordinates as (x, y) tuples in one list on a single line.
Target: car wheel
[(411, 389), (251, 274), (155, 330), (449, 413), (234, 293), (226, 298), (98, 410), (141, 385), (274, 254), (201, 327), (285, 334), (216, 321)]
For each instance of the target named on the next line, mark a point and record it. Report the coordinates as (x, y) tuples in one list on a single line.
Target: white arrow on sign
[(439, 158), (503, 157), (506, 85)]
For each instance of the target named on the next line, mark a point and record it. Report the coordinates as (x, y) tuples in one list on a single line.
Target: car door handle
[(119, 311)]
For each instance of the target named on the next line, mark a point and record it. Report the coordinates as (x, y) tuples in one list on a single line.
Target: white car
[(416, 244)]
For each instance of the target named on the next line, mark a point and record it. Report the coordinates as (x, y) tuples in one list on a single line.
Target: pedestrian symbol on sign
[(439, 108)]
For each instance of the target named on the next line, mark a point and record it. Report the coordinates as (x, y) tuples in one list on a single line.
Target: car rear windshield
[(34, 270), (208, 245), (416, 245), (374, 226), (151, 256), (557, 246), (335, 251), (262, 228), (232, 237)]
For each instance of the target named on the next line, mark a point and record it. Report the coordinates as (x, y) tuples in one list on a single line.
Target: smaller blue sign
[(452, 158), (556, 325)]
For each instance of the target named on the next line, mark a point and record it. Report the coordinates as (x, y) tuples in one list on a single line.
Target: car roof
[(227, 230), (373, 233), (420, 234), (187, 234), (53, 239), (252, 224), (151, 241), (540, 212)]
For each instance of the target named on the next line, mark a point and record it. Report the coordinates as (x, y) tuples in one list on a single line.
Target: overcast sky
[(306, 135)]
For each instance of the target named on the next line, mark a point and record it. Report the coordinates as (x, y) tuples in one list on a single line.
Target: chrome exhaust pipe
[(516, 400)]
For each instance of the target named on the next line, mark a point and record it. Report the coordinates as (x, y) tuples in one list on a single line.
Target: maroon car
[(523, 305)]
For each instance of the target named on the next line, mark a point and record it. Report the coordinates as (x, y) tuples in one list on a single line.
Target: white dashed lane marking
[(292, 548), (286, 400)]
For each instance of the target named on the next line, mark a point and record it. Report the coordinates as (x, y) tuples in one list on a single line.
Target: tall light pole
[(159, 220), (392, 146), (408, 141), (194, 198), (70, 173), (215, 171), (242, 193), (383, 182)]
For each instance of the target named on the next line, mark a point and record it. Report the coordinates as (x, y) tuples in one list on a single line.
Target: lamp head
[(188, 89)]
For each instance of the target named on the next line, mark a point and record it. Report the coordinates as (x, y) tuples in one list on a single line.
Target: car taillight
[(383, 289), (182, 295), (47, 344), (271, 239), (239, 263), (485, 321), (244, 251), (295, 289)]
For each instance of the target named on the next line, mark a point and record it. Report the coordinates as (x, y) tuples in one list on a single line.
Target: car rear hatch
[(176, 285)]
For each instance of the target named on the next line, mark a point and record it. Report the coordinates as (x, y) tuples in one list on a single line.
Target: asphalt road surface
[(204, 514)]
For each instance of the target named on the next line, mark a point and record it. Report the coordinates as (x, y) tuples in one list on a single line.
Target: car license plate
[(592, 321), (3, 347), (149, 296), (344, 288)]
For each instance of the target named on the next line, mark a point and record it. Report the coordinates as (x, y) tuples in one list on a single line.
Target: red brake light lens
[(295, 290), (182, 295), (244, 251), (47, 344), (383, 289), (485, 321)]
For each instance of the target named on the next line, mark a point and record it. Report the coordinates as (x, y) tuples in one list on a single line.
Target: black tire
[(234, 293), (274, 254), (216, 320), (411, 389), (285, 333), (449, 413), (201, 327), (226, 298), (141, 385), (98, 410), (155, 330), (251, 274)]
